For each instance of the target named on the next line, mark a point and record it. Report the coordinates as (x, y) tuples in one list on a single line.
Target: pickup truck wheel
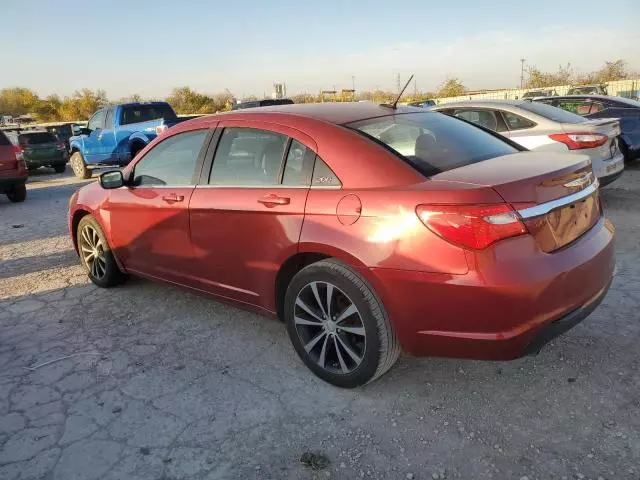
[(18, 193), (60, 168), (79, 166)]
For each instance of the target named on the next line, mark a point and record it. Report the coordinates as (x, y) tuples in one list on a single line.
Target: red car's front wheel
[(96, 255)]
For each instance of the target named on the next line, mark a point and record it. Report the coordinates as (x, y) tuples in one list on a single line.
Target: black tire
[(18, 193), (381, 345), (60, 168), (112, 275), (135, 148), (79, 166)]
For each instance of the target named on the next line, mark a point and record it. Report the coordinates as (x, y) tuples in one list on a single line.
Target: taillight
[(577, 141), (19, 152), (472, 226), (60, 146)]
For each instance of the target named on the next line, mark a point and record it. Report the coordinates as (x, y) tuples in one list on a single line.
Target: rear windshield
[(61, 130), (552, 113), (433, 142), (146, 113), (4, 141), (36, 138)]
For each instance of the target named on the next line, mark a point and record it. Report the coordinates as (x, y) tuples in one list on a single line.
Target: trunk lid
[(555, 194)]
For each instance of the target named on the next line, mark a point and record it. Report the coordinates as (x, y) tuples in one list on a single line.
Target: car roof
[(605, 98), (337, 113), (137, 104), (482, 103)]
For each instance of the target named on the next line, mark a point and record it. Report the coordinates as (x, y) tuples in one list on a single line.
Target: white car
[(537, 126)]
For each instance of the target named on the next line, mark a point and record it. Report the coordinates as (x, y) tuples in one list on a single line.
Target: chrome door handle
[(173, 198), (272, 200)]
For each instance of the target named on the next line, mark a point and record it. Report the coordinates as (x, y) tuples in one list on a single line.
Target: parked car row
[(541, 127), (368, 229)]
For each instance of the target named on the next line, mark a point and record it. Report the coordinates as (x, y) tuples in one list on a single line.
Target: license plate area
[(563, 225)]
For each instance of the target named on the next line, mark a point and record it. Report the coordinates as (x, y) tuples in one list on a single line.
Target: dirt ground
[(148, 381)]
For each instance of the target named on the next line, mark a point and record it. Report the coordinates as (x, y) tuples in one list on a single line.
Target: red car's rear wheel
[(338, 325)]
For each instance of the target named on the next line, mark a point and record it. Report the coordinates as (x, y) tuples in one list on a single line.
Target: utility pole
[(522, 73)]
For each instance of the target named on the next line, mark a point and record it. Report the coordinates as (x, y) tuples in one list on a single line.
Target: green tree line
[(18, 101)]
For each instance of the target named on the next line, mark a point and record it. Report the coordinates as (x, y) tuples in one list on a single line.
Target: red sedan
[(367, 229)]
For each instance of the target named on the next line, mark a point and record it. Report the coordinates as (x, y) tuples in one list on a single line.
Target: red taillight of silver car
[(580, 140), (472, 226)]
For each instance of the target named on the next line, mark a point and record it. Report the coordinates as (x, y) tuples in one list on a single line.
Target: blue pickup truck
[(115, 134)]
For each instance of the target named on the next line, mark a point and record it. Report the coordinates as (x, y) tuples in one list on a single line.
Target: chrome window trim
[(276, 185), (279, 186), (545, 208), (136, 187)]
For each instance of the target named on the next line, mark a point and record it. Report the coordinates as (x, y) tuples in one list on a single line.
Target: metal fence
[(629, 88)]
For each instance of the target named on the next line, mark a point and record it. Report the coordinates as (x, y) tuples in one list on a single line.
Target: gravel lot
[(159, 383)]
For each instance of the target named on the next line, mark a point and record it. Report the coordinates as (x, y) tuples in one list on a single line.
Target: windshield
[(146, 113), (36, 138), (552, 113), (433, 142)]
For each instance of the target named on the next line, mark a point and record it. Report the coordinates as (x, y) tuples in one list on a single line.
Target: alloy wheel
[(330, 327), (92, 251)]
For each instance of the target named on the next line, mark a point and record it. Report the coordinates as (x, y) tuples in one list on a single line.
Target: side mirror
[(85, 131), (110, 180)]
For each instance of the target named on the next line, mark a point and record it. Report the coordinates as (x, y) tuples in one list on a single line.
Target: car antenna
[(394, 105)]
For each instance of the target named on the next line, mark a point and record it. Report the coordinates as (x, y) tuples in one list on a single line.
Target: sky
[(148, 48)]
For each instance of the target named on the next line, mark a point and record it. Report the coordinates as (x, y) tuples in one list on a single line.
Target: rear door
[(150, 219), (247, 215)]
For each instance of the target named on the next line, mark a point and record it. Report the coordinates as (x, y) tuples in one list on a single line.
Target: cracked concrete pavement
[(148, 381)]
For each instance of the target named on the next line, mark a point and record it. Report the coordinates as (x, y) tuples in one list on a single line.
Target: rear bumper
[(512, 295), (606, 180), (557, 327), (59, 159), (608, 170), (9, 183)]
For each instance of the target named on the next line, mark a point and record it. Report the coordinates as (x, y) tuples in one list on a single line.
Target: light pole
[(353, 83), (521, 73)]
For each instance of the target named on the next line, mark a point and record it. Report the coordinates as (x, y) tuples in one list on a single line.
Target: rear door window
[(298, 165), (432, 142), (490, 119), (146, 113), (248, 157), (517, 122)]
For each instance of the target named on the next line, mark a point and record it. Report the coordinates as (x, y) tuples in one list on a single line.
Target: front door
[(93, 142), (246, 221), (150, 218)]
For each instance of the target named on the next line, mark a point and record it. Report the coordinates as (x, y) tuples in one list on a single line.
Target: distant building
[(279, 90)]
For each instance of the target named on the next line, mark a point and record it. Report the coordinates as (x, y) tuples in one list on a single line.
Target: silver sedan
[(537, 126)]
